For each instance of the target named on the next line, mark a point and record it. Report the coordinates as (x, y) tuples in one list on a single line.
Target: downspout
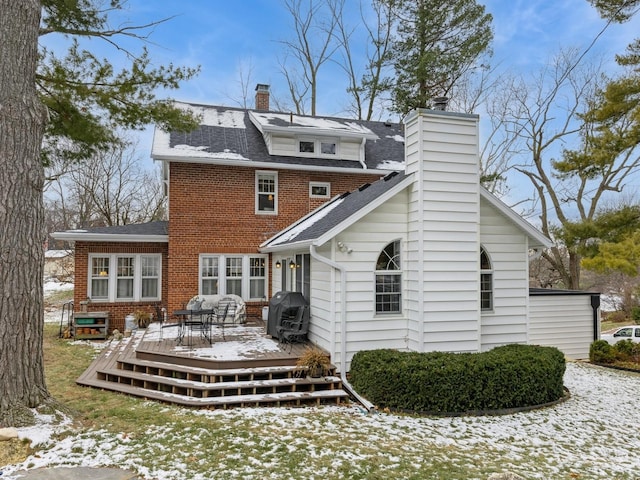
[(595, 305), (343, 327)]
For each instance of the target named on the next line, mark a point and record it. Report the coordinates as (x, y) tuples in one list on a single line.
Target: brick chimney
[(262, 97)]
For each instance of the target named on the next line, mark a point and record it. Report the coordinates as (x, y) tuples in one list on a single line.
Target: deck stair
[(121, 370)]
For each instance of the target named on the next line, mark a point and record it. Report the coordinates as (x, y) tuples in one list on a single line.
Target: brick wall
[(117, 310), (212, 210)]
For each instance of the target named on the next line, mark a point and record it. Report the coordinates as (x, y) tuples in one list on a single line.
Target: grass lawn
[(581, 438)]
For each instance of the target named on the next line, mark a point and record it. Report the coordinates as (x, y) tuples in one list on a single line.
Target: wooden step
[(206, 374), (208, 389), (275, 399), (122, 371)]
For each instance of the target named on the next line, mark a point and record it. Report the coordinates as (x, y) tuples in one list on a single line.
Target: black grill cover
[(283, 305)]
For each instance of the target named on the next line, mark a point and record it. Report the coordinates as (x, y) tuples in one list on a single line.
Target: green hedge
[(510, 376), (623, 351)]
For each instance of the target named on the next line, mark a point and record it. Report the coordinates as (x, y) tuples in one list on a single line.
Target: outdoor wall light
[(292, 265), (344, 248), (278, 264)]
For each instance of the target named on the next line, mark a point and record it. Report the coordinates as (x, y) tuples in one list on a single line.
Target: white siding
[(562, 321), (443, 235), (348, 149), (507, 248), (365, 329)]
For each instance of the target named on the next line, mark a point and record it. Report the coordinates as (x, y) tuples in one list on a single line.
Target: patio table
[(187, 319)]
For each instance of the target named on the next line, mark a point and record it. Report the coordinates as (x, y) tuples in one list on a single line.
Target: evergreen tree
[(74, 103), (437, 42)]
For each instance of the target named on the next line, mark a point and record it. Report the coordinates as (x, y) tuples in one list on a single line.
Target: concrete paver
[(76, 473)]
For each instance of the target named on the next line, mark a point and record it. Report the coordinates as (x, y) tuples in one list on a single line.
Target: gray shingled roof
[(249, 142), (335, 212), (150, 228)]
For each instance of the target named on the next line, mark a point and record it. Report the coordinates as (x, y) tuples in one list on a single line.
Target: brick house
[(384, 228), (236, 181)]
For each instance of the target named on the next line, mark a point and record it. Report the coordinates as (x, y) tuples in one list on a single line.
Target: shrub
[(615, 317), (623, 350), (635, 315), (511, 376), (601, 352)]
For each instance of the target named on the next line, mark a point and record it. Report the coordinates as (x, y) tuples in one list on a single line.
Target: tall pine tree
[(437, 41)]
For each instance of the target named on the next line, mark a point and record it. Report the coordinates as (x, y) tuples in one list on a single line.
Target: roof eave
[(269, 165), (324, 238), (340, 227), (286, 247), (536, 237), (109, 237)]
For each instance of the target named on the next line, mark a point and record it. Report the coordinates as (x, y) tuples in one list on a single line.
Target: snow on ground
[(595, 432), (593, 435)]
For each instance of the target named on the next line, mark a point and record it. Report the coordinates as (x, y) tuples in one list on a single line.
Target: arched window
[(389, 279), (486, 281)]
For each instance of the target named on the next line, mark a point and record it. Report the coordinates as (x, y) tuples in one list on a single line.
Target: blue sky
[(220, 36)]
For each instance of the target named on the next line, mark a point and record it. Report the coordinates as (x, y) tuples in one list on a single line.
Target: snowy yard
[(587, 437), (593, 435)]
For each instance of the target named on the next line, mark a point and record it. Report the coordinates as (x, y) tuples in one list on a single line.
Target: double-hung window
[(125, 278), (99, 274), (257, 277), (267, 193), (234, 275), (388, 277), (129, 277), (209, 275), (242, 275)]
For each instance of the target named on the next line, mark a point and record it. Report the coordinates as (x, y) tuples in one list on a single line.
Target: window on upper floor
[(388, 275), (319, 189), (243, 275), (266, 193), (135, 277), (322, 147), (486, 281), (328, 147), (307, 146)]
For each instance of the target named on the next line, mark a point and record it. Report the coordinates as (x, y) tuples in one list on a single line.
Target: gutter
[(343, 326)]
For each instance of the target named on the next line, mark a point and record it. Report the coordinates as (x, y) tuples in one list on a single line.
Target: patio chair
[(217, 319), (295, 330), (161, 315)]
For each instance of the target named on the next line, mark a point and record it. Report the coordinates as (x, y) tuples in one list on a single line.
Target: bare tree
[(109, 189), (368, 82), (548, 115), (313, 45)]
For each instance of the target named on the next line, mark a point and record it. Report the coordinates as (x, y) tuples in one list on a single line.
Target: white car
[(630, 332)]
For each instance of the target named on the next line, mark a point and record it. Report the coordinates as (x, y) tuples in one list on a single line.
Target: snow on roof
[(57, 253), (278, 121), (306, 223), (390, 165), (215, 117), (397, 138)]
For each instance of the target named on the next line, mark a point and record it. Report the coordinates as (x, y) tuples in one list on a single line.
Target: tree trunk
[(22, 235)]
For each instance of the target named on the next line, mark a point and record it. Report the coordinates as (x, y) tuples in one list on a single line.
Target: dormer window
[(318, 147), (300, 136), (307, 146), (327, 148)]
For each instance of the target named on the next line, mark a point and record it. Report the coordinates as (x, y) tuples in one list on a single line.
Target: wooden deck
[(246, 367)]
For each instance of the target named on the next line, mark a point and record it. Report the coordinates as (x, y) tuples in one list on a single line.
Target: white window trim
[(257, 192), (317, 147), (399, 273), (246, 273), (326, 185), (490, 273), (113, 278)]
